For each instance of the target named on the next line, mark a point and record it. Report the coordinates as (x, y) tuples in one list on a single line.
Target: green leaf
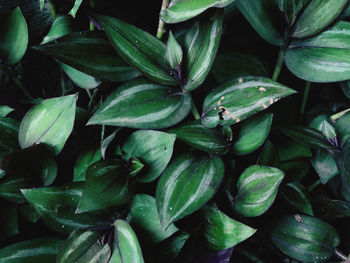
[(186, 185), (75, 8), (343, 163), (107, 141), (291, 8), (5, 110), (289, 149), (306, 135), (269, 155), (297, 195), (57, 206), (257, 188), (29, 213), (14, 37), (9, 220), (145, 220), (232, 65), (9, 134), (103, 62), (170, 248), (153, 148), (305, 238), (239, 99), (196, 135), (62, 25), (221, 232), (316, 16), (262, 16), (200, 45), (49, 170), (38, 250), (126, 248), (324, 165), (50, 122), (252, 133), (182, 10), (98, 253), (137, 47), (322, 58), (85, 158), (106, 185), (173, 53), (330, 209), (343, 129), (10, 187), (295, 170), (42, 4), (143, 105)]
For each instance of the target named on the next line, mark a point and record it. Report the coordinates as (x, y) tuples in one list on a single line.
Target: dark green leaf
[(49, 170), (39, 250), (252, 133), (106, 185), (343, 163), (5, 110), (240, 98), (297, 195), (322, 58), (195, 134), (173, 53), (9, 134), (343, 129), (201, 44), (10, 187), (102, 62), (316, 16), (126, 248), (257, 189), (75, 8), (153, 148), (305, 238), (295, 170), (14, 37), (9, 220), (232, 65), (269, 155), (29, 213), (262, 16), (144, 105), (170, 248), (291, 8), (140, 49), (50, 122), (325, 166), (145, 219), (83, 161), (330, 209), (222, 232), (186, 185), (289, 149)]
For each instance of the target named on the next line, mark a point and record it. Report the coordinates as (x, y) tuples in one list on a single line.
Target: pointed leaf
[(106, 185), (200, 46), (144, 105), (322, 58), (62, 25), (257, 188), (240, 98), (83, 161), (102, 62), (5, 110), (107, 141), (196, 135), (316, 16), (186, 185), (325, 166), (137, 47), (297, 195), (50, 122), (330, 209), (14, 37), (173, 53), (153, 148)]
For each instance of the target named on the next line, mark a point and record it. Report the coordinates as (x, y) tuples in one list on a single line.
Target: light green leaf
[(5, 110), (173, 53), (85, 158), (75, 8), (81, 79), (62, 25)]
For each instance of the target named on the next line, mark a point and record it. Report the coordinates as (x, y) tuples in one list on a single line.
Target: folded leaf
[(144, 105)]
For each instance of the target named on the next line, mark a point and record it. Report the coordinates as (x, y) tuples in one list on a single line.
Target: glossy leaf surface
[(5, 110), (153, 148), (257, 188), (187, 184), (240, 98), (173, 53), (324, 165), (297, 195), (198, 136), (142, 104), (84, 160), (50, 122)]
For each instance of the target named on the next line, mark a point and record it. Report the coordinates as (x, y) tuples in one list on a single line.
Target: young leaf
[(316, 16), (14, 37), (153, 148), (324, 165), (145, 220), (102, 62), (200, 46), (62, 25), (75, 8), (221, 232), (50, 122), (85, 158), (144, 105), (186, 185), (126, 248), (173, 53), (138, 48), (297, 195), (257, 189), (5, 110), (262, 16), (305, 238), (38, 250), (106, 186), (196, 135), (252, 133), (322, 58), (182, 10), (240, 98)]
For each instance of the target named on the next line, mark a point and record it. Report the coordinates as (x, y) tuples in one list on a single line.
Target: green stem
[(52, 9), (314, 185), (160, 30), (339, 114), (92, 5), (195, 111), (304, 101), (340, 255), (248, 255), (279, 63)]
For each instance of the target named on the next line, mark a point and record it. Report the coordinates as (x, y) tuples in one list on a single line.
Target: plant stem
[(92, 5), (160, 30), (279, 63), (195, 112), (304, 101), (52, 9), (314, 185), (340, 255), (339, 114)]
